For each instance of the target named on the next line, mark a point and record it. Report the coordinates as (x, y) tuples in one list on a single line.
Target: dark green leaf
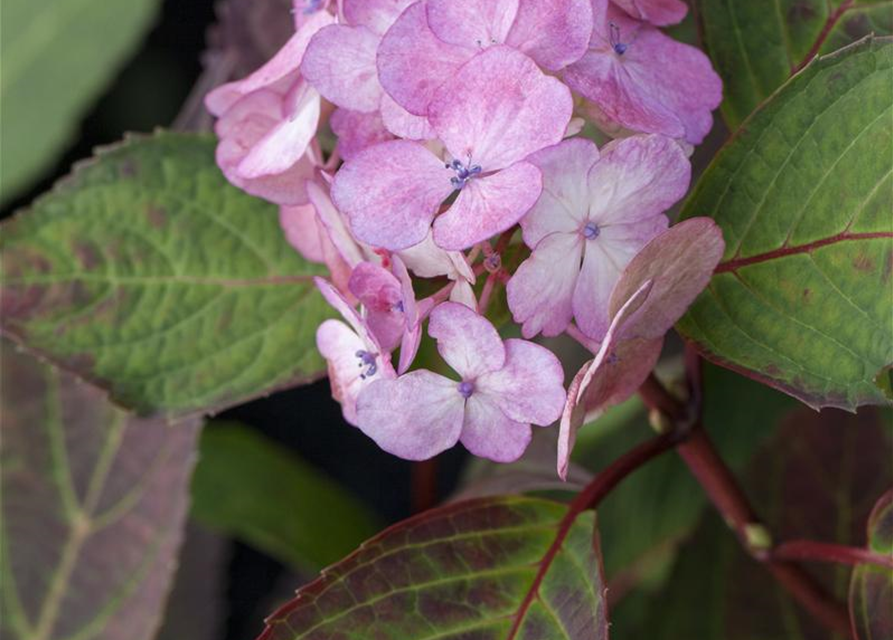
[(816, 480), (147, 273), (248, 487), (803, 194), (757, 45), (871, 590), (57, 56), (93, 507), (472, 569)]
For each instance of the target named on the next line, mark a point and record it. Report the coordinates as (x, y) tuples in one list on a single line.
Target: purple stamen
[(366, 360), (463, 173), (612, 358), (591, 231), (466, 389), (399, 306), (618, 46)]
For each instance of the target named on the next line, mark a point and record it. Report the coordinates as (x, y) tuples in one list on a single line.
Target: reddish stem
[(832, 20), (829, 552), (424, 485), (656, 397)]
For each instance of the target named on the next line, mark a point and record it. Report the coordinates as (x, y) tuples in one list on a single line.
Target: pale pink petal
[(342, 306), (412, 335), (487, 206), (333, 222), (391, 192), (427, 260), (637, 178), (575, 408), (348, 374), (340, 64), (287, 188), (462, 293), (413, 62), (488, 433), (377, 15), (303, 232), (680, 262), (617, 377), (467, 341), (415, 416), (404, 124), (499, 108), (660, 13), (601, 271), (530, 385), (285, 143), (541, 289), (564, 202), (285, 62), (357, 131), (472, 23), (555, 33), (303, 10), (380, 293)]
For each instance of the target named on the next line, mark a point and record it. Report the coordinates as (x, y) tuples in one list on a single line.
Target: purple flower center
[(616, 44), (312, 6), (398, 306), (591, 231), (612, 358), (466, 389), (366, 360), (464, 173)]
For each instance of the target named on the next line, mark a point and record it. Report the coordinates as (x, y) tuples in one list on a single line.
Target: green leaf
[(502, 568), (871, 590), (815, 480), (803, 194), (148, 274), (57, 56), (757, 45), (248, 487), (94, 502)]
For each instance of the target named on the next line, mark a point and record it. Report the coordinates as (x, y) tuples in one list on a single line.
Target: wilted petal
[(413, 62), (415, 416), (303, 232), (340, 64), (541, 290), (467, 341), (377, 15), (404, 124), (564, 202), (529, 387), (660, 13), (486, 206), (499, 108), (390, 193), (357, 131), (488, 433), (554, 33), (472, 23), (680, 262), (637, 178), (286, 61), (412, 334), (285, 143)]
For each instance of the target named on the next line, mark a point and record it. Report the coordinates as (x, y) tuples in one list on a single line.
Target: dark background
[(148, 93)]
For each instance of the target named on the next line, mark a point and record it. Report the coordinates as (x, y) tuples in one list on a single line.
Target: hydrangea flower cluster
[(457, 127)]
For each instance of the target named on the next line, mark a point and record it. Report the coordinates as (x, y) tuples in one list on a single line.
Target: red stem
[(424, 485), (832, 20), (828, 552)]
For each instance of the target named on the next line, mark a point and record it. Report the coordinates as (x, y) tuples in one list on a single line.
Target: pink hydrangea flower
[(654, 291), (596, 212), (660, 13), (492, 114), (267, 123), (503, 388), (356, 131), (355, 358), (432, 39), (639, 79)]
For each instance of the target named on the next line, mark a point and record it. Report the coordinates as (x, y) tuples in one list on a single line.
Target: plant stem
[(829, 552), (721, 486), (424, 485)]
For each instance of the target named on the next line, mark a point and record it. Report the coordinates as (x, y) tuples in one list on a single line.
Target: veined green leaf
[(803, 193), (150, 275), (871, 589)]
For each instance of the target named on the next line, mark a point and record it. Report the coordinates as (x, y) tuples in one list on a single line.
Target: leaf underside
[(57, 55), (756, 45), (871, 589), (487, 568), (94, 503), (803, 194), (148, 274)]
